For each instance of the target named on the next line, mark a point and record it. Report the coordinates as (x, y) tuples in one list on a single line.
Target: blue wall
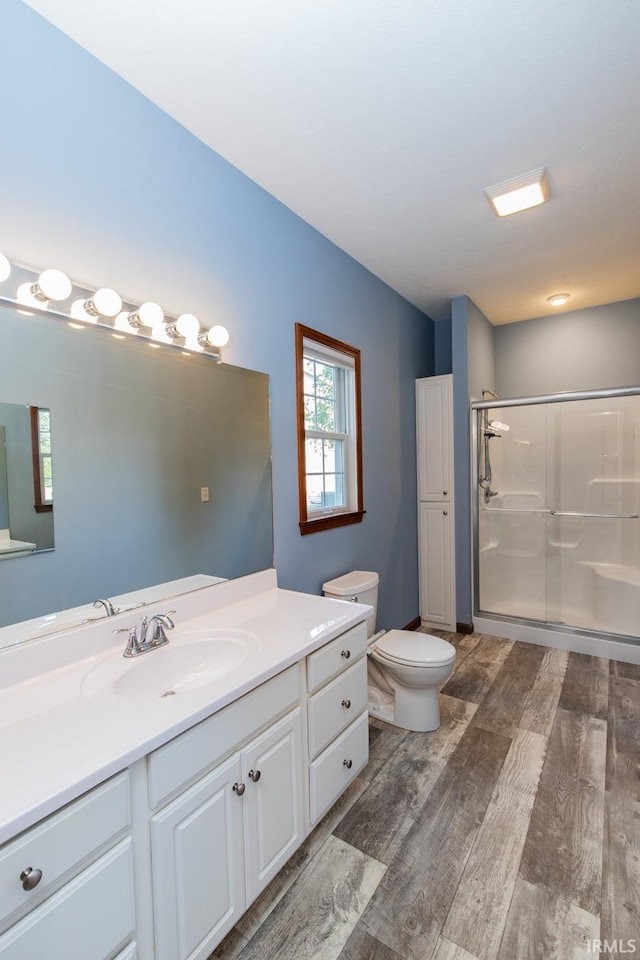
[(96, 180), (577, 350)]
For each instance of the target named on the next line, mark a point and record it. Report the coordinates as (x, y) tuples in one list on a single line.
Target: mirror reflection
[(162, 465), (26, 480)]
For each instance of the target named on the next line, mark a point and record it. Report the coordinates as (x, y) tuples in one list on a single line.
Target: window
[(41, 453), (329, 431)]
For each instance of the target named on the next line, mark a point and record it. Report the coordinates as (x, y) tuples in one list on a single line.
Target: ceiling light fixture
[(558, 299), (39, 291), (520, 193)]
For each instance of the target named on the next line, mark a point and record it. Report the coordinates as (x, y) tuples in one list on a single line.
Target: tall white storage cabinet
[(434, 419)]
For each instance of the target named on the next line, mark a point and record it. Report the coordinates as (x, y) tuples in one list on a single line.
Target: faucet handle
[(161, 622), (132, 648)]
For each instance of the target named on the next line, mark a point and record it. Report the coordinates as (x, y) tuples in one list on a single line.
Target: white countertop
[(59, 739)]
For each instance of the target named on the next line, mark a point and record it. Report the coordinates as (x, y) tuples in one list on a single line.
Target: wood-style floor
[(513, 832)]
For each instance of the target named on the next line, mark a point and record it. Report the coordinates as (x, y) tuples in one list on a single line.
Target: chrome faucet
[(108, 606), (157, 624)]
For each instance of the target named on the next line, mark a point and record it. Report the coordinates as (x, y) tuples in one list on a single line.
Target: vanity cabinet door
[(273, 804), (198, 866)]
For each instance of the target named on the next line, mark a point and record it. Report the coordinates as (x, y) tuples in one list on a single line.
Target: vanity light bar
[(38, 290)]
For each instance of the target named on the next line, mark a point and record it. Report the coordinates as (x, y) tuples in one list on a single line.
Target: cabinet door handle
[(346, 704), (348, 764), (254, 775), (346, 654), (444, 493), (445, 513), (30, 878), (239, 788)]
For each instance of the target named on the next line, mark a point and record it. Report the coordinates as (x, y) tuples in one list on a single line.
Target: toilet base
[(416, 710)]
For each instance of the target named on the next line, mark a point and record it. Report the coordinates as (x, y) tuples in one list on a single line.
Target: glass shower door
[(559, 513)]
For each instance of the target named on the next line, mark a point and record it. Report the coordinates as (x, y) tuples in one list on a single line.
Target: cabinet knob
[(239, 788), (346, 704), (444, 493), (346, 654), (354, 599), (445, 513), (30, 878), (254, 775), (348, 764)]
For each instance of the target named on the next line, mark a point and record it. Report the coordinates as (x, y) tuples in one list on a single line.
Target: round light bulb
[(218, 336), (187, 325), (79, 311), (54, 285), (107, 302), (25, 295), (5, 268), (151, 315)]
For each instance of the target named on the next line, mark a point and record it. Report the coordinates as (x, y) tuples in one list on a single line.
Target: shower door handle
[(599, 516)]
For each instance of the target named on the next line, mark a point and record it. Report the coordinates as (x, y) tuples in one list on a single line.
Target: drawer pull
[(239, 788), (346, 654), (30, 878), (254, 775), (348, 764), (346, 704), (445, 513), (444, 493)]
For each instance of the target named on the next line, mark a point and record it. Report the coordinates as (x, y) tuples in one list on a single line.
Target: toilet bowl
[(405, 668)]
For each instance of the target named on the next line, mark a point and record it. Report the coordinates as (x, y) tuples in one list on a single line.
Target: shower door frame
[(549, 626)]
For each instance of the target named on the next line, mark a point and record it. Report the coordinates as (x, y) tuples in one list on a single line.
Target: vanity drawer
[(61, 842), (334, 657), (330, 774), (334, 707), (87, 920), (196, 750)]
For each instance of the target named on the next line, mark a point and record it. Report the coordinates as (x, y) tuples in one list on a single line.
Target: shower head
[(495, 428)]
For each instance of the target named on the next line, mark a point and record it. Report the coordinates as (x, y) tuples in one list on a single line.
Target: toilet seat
[(414, 649)]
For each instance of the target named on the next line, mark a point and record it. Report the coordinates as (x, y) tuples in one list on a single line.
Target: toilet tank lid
[(351, 583)]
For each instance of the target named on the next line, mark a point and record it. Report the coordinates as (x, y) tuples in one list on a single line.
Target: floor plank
[(408, 910), (540, 706), (629, 671), (543, 927), (446, 950), (479, 911), (473, 678), (318, 913), (563, 850), (620, 918), (586, 686), (378, 822), (361, 946), (501, 709)]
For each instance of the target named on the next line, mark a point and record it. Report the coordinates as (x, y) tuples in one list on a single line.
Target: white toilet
[(405, 668)]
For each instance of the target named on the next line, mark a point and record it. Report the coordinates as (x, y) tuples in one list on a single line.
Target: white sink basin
[(191, 660)]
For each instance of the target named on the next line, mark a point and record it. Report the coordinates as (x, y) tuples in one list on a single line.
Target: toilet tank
[(361, 586)]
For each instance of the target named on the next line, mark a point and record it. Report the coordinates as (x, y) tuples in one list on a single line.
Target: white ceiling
[(381, 121)]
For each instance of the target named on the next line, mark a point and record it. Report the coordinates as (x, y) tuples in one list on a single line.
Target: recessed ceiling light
[(520, 193), (558, 299)]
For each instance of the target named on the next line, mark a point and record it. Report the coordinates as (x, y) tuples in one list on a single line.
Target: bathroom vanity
[(147, 802)]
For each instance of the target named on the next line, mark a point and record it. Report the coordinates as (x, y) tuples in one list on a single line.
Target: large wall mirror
[(140, 437)]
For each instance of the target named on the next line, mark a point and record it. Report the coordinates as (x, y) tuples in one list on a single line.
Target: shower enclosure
[(557, 511)]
